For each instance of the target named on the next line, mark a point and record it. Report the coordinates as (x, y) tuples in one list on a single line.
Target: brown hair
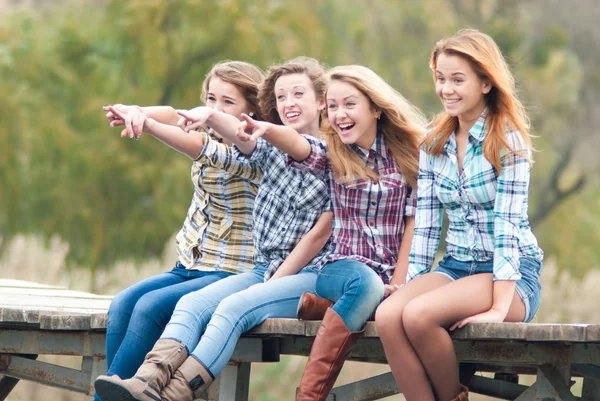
[(402, 125), (300, 65), (504, 108), (245, 76)]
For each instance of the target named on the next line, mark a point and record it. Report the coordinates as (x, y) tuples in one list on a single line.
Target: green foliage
[(64, 171)]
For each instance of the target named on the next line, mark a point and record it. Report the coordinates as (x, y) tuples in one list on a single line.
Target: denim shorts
[(528, 286)]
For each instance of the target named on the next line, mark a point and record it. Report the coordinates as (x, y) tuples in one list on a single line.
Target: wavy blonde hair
[(402, 125), (300, 65), (505, 110), (245, 76)]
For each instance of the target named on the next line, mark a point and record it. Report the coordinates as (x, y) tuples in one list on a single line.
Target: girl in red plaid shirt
[(369, 156)]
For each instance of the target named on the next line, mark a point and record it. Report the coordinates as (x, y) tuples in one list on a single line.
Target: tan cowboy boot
[(189, 382), (148, 382), (312, 307), (327, 356)]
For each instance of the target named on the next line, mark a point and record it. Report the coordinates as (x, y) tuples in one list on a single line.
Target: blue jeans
[(355, 288), (138, 315), (528, 286), (235, 314)]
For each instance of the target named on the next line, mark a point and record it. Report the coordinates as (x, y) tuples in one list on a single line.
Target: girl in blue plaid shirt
[(291, 229), (475, 164)]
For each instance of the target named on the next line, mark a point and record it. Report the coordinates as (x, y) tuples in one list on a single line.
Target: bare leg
[(404, 361), (426, 318)]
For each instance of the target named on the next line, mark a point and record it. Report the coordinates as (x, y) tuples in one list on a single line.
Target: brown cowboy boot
[(327, 356), (463, 395), (312, 307), (189, 382), (148, 382)]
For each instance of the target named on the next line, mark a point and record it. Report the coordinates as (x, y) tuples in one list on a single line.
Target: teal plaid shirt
[(487, 212)]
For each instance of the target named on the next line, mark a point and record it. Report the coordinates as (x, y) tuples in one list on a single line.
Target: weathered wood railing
[(43, 320)]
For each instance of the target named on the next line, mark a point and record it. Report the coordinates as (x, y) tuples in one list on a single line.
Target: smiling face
[(459, 88), (297, 103), (226, 97), (351, 114)]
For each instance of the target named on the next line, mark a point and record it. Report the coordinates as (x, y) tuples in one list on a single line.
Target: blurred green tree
[(63, 171)]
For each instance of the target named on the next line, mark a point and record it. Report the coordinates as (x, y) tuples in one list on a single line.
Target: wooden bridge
[(45, 320)]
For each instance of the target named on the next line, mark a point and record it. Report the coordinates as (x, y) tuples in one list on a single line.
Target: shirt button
[(373, 203)]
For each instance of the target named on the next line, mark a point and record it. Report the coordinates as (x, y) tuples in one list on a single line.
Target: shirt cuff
[(506, 268), (208, 149)]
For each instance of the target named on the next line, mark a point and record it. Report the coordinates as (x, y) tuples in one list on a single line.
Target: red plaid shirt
[(368, 215)]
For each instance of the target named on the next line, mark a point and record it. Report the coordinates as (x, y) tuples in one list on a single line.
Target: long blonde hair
[(245, 76), (402, 125), (505, 110), (300, 65)]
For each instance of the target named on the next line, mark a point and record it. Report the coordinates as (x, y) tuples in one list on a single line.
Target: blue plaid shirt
[(287, 206), (487, 212)]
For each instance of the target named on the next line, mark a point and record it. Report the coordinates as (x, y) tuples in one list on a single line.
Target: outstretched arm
[(224, 124), (190, 144), (286, 139), (309, 246), (162, 114)]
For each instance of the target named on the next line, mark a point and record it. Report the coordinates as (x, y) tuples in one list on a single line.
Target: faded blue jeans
[(210, 332), (138, 315), (354, 287)]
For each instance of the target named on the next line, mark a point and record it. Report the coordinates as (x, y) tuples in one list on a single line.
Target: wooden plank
[(49, 374), (592, 333), (65, 322), (82, 343), (10, 283), (491, 331), (281, 326), (551, 384), (49, 292), (373, 388), (556, 332)]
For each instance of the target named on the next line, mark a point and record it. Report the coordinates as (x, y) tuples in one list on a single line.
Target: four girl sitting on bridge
[(362, 172)]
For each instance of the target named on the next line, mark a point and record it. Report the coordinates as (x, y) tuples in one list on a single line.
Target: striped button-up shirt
[(288, 204), (217, 232), (487, 212), (368, 215)]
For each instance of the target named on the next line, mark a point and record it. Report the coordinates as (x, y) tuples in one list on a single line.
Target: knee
[(417, 319), (150, 308), (231, 307), (388, 318), (121, 307), (196, 305), (239, 311), (367, 285)]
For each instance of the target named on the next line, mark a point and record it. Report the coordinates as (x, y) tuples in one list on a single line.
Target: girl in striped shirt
[(475, 164)]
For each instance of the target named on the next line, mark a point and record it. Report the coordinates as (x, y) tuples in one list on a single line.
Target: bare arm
[(135, 121), (308, 247), (162, 114), (188, 143), (286, 139), (224, 124), (401, 269)]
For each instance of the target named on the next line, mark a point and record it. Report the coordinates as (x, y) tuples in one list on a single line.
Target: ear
[(322, 105), (377, 114), (486, 88)]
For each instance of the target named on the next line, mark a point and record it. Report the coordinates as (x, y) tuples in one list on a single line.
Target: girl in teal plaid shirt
[(475, 164)]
